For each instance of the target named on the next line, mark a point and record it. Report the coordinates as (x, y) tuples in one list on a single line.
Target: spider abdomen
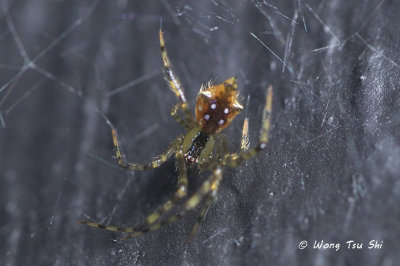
[(217, 106)]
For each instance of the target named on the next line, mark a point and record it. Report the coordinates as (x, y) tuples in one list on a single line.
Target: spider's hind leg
[(202, 215), (209, 188), (150, 221), (180, 193)]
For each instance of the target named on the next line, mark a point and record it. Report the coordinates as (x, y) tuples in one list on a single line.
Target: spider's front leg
[(175, 86), (236, 158), (188, 122), (173, 81), (156, 162)]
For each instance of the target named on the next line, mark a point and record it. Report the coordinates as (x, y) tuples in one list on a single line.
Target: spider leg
[(245, 142), (156, 162), (221, 146), (209, 187), (180, 193), (235, 159), (202, 215), (152, 218), (187, 123), (221, 149), (173, 80)]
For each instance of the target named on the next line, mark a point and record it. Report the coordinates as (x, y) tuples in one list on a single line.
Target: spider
[(203, 146)]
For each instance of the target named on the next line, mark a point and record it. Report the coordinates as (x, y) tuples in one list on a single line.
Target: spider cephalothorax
[(203, 146), (197, 146)]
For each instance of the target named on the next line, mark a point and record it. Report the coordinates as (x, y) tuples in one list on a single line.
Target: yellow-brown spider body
[(216, 107), (203, 146)]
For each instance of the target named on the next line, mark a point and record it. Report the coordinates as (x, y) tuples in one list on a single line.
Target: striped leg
[(158, 160), (187, 123), (152, 218), (202, 215), (209, 187), (221, 147), (245, 142), (236, 158), (182, 180), (172, 80), (179, 194)]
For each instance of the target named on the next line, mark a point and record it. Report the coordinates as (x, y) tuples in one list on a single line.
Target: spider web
[(330, 171)]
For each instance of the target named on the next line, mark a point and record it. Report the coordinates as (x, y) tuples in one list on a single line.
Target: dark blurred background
[(331, 171)]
